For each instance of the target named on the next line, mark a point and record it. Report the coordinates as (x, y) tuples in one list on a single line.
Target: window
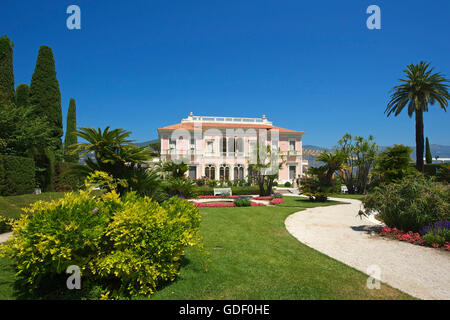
[(238, 172), (210, 172), (239, 145), (210, 146), (291, 145), (224, 172), (223, 144), (292, 170), (172, 144), (193, 172)]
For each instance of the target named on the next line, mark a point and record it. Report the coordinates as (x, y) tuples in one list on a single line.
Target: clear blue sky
[(307, 65)]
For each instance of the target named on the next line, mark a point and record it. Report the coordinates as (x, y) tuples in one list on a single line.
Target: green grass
[(252, 256), (11, 206), (303, 202), (347, 196)]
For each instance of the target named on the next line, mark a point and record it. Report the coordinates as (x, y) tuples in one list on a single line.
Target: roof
[(211, 125)]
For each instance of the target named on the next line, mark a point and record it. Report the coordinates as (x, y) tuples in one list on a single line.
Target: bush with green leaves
[(242, 202), (410, 204), (126, 246), (182, 187), (287, 184), (439, 170)]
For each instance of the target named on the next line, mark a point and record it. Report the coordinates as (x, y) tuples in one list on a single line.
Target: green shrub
[(16, 175), (287, 184), (439, 170), (64, 181), (242, 203), (431, 238), (410, 204), (124, 246), (212, 183), (315, 188), (183, 187)]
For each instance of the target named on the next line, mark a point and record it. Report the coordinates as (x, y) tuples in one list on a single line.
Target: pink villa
[(221, 148)]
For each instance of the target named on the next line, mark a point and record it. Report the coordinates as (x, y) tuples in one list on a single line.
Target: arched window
[(210, 172), (224, 172), (238, 172)]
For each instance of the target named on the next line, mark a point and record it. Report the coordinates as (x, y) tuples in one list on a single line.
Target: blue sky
[(307, 65)]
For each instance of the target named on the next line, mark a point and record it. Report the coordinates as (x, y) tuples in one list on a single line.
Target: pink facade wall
[(200, 160)]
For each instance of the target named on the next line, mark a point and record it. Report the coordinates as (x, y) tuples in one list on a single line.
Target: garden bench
[(220, 191), (344, 189)]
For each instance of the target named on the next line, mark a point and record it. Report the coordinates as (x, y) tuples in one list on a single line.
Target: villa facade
[(222, 148)]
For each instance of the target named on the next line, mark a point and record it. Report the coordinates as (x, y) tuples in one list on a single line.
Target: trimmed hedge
[(16, 175), (237, 191)]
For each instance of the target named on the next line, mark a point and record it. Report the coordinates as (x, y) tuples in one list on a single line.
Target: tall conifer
[(45, 95), (7, 95)]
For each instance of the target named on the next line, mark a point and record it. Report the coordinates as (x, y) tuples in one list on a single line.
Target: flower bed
[(217, 197), (224, 204), (411, 237), (275, 201), (214, 205), (263, 198)]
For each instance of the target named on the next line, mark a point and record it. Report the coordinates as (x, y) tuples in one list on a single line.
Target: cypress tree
[(45, 95), (71, 127), (22, 95), (7, 95), (428, 157)]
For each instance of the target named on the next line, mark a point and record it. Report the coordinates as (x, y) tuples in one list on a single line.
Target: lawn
[(252, 256), (348, 196), (11, 206), (303, 202)]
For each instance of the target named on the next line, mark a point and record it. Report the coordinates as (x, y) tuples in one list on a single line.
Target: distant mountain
[(146, 143), (436, 150)]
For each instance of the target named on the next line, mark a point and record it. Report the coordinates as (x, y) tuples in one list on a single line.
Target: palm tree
[(420, 89), (333, 162)]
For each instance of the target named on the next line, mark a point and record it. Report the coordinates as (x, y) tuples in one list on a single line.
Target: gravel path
[(337, 232), (5, 236)]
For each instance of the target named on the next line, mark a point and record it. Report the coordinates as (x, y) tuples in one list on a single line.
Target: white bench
[(344, 189), (220, 191)]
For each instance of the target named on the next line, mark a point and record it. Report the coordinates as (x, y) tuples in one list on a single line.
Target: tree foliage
[(7, 96), (22, 95), (392, 165), (360, 155), (428, 156), (420, 88), (71, 128), (21, 131), (45, 94)]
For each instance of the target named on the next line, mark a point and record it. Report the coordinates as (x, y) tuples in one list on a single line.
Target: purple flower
[(95, 210), (438, 226)]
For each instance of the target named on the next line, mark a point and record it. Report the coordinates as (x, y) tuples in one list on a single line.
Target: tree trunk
[(419, 140)]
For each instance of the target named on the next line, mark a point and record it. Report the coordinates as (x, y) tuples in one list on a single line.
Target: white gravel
[(337, 232), (5, 236)]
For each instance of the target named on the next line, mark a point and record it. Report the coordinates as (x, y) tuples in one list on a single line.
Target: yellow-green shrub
[(125, 246), (148, 242)]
